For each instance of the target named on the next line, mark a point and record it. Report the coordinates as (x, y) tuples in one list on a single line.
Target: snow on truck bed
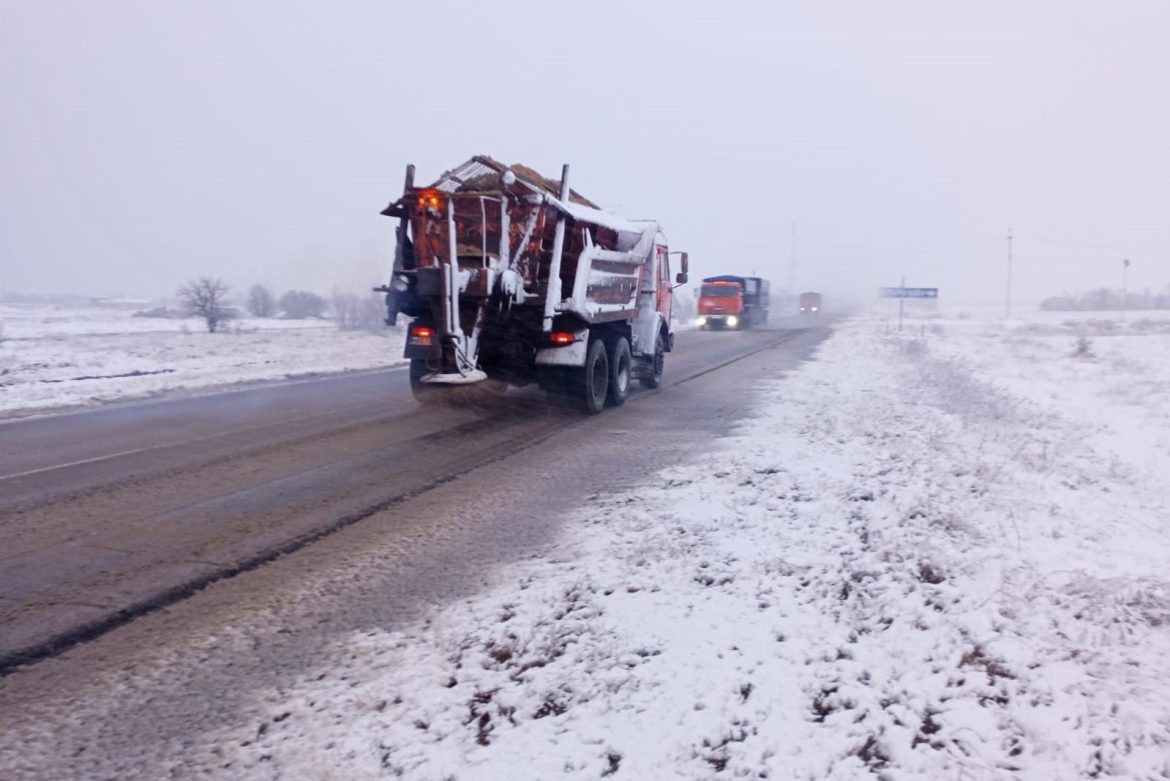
[(935, 554), (58, 357)]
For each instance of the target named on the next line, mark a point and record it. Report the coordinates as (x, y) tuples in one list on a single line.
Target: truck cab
[(720, 305), (735, 302), (810, 303)]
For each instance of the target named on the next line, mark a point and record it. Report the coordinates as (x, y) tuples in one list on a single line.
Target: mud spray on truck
[(510, 278)]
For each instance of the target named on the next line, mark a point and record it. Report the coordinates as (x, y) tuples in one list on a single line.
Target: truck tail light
[(561, 338), (430, 199), (421, 335)]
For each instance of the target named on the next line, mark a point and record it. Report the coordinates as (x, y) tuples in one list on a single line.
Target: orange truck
[(734, 302)]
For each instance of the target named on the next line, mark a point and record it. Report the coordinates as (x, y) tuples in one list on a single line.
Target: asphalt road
[(111, 514)]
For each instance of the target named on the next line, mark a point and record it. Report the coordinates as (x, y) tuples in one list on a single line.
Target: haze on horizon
[(147, 143)]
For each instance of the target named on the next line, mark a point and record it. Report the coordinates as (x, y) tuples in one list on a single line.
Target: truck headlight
[(733, 321), (700, 320)]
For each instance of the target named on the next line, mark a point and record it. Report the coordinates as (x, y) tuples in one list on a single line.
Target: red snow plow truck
[(508, 277)]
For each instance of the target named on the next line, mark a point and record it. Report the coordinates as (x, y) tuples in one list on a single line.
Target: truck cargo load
[(507, 276)]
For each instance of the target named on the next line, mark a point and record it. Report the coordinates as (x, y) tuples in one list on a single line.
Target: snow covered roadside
[(58, 357), (900, 570), (1109, 371)]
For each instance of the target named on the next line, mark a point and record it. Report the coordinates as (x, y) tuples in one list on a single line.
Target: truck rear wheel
[(619, 371), (657, 365), (593, 380)]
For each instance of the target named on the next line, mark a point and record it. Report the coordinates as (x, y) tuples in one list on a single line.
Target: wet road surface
[(112, 514)]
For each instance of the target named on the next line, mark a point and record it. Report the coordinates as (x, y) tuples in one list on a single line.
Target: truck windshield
[(719, 291)]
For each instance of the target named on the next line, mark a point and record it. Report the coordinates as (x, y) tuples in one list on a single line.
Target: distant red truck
[(810, 303)]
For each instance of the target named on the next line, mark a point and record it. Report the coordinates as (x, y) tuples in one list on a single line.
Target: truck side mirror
[(681, 277)]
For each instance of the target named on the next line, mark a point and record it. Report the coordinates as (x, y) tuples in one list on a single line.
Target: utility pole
[(1008, 304), (792, 262), (1124, 282), (901, 304)]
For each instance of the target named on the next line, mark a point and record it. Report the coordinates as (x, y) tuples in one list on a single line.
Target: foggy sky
[(143, 143)]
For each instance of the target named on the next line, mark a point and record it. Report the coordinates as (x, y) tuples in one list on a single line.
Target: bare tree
[(261, 302), (345, 310), (205, 297), (372, 312), (300, 304), (352, 312)]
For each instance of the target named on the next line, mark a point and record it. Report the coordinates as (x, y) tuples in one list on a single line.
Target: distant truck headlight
[(733, 321), (700, 320), (814, 309)]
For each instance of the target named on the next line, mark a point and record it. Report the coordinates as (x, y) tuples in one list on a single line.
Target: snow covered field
[(60, 357), (940, 554)]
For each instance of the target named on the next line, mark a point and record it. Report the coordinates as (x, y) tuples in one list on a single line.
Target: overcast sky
[(146, 142)]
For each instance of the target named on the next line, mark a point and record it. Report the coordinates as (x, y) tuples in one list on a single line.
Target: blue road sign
[(908, 292)]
